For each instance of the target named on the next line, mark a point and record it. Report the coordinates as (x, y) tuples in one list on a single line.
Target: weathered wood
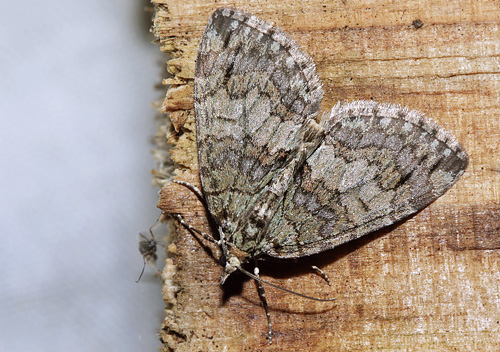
[(431, 282)]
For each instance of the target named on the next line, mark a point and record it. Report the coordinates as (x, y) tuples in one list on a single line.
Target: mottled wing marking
[(256, 97), (377, 164), (280, 184)]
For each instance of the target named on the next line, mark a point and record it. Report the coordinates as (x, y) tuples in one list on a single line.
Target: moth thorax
[(261, 215)]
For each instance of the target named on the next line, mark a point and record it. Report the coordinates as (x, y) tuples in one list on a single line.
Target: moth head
[(234, 258), (232, 264)]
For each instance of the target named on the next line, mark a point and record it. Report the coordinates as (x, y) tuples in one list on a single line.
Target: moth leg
[(193, 189), (322, 274), (194, 229), (262, 295), (199, 194)]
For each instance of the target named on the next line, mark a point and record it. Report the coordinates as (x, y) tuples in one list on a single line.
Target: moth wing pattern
[(378, 164), (306, 187), (255, 92), (282, 181)]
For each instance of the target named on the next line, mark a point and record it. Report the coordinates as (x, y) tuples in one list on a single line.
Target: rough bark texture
[(431, 282)]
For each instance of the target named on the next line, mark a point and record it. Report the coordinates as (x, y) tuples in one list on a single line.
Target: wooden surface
[(430, 283)]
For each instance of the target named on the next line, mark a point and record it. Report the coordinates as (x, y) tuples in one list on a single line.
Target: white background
[(76, 85)]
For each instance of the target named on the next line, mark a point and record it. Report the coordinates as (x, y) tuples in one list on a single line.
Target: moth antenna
[(256, 278)]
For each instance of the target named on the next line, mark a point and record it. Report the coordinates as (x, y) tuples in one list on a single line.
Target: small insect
[(148, 249), (417, 24), (282, 180)]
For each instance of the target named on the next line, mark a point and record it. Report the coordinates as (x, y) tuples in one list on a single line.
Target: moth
[(283, 180)]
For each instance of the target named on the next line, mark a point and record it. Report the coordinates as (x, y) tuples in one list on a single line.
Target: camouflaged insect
[(282, 180)]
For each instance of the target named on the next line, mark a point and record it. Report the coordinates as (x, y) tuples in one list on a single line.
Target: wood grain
[(430, 283)]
